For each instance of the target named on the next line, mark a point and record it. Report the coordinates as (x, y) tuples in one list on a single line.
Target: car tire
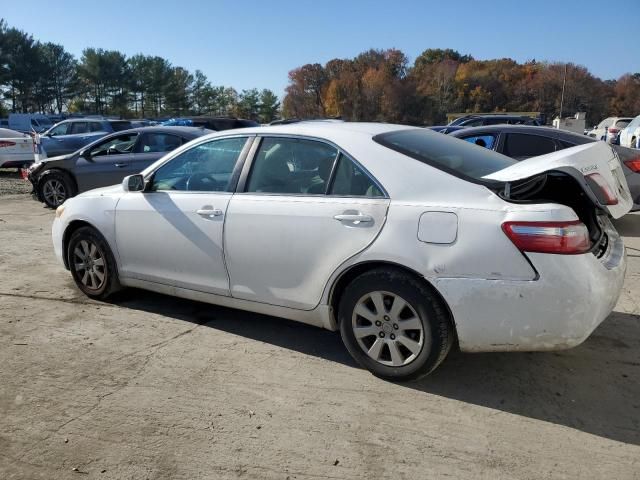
[(394, 342), (92, 264), (54, 187)]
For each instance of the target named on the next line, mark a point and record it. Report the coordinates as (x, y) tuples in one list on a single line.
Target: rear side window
[(350, 181), (79, 127), (446, 153), (521, 146), (622, 123), (96, 127), (292, 166)]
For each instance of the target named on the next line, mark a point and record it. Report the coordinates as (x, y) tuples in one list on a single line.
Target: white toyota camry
[(405, 240)]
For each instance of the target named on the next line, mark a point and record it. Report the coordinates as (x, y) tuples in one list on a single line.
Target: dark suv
[(70, 135), (498, 119)]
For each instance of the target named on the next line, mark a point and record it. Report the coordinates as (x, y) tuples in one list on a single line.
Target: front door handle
[(209, 212), (120, 165), (354, 218)]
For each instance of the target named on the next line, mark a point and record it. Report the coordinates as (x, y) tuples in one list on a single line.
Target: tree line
[(43, 77), (382, 85)]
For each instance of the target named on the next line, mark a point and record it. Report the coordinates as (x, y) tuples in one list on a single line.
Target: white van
[(28, 122)]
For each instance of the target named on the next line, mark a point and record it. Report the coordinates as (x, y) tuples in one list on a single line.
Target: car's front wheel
[(92, 264), (54, 188), (394, 325)]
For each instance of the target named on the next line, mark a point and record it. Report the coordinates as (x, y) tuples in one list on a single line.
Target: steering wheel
[(203, 182)]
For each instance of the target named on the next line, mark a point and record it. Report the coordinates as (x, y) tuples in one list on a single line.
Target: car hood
[(103, 191), (592, 163)]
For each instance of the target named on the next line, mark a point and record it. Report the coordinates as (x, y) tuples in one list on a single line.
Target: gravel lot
[(11, 183), (148, 386)]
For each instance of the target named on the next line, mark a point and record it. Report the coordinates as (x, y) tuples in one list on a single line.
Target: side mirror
[(133, 183)]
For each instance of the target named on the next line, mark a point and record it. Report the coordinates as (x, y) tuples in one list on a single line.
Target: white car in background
[(609, 129), (404, 239), (16, 149), (630, 135)]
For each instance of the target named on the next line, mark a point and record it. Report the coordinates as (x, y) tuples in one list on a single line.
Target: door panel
[(282, 249), (161, 237), (101, 170)]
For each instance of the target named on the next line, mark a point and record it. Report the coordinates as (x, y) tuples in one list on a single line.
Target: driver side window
[(61, 129), (115, 146), (207, 167)]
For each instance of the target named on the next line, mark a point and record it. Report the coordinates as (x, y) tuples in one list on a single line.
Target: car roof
[(319, 128), (184, 131)]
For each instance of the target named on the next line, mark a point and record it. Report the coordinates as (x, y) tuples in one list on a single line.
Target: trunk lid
[(593, 165)]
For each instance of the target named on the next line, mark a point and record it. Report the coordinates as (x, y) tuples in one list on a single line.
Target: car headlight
[(59, 211)]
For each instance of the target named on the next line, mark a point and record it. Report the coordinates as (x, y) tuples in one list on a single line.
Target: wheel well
[(356, 270), (66, 236), (69, 175)]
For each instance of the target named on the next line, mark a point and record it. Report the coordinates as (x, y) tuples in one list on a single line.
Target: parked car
[(16, 149), (446, 128), (105, 161), (609, 129), (212, 123), (28, 122), (521, 142), (630, 135), (404, 239), (70, 135), (496, 119)]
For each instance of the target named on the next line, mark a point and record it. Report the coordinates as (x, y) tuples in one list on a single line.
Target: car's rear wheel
[(92, 264), (54, 188), (394, 325)]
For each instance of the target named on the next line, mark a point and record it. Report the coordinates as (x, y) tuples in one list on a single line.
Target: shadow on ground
[(592, 388)]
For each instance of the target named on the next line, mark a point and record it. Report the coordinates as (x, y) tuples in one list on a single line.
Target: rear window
[(452, 155), (119, 126), (622, 123)]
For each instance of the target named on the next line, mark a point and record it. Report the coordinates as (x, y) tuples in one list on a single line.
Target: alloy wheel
[(89, 264), (54, 192), (388, 329)]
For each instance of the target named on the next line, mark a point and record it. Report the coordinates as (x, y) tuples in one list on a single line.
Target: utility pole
[(564, 81)]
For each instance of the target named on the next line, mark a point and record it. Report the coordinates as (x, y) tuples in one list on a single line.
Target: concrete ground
[(149, 386)]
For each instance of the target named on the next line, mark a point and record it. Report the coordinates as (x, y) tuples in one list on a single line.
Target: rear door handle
[(355, 218), (209, 212), (120, 165)]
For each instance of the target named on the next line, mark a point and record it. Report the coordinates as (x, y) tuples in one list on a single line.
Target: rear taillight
[(564, 238), (613, 130), (633, 164), (609, 197), (6, 143)]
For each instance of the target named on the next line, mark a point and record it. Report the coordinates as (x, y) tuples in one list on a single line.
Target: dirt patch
[(11, 183), (149, 386)]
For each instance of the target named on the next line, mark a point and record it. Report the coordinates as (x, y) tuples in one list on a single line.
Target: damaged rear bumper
[(571, 297)]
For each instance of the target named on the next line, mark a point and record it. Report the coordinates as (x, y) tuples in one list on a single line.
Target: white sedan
[(406, 240), (16, 149)]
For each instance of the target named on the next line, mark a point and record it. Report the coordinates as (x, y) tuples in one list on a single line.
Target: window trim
[(250, 160)]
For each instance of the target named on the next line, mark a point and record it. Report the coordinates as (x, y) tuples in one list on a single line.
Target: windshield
[(452, 155)]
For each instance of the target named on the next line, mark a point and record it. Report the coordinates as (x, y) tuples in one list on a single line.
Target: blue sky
[(248, 44)]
